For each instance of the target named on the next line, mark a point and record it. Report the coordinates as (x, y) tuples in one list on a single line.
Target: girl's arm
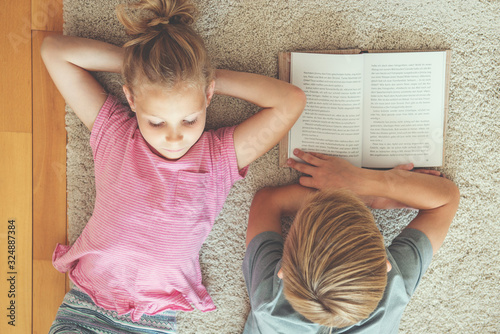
[(69, 60), (436, 197), (270, 204), (281, 103)]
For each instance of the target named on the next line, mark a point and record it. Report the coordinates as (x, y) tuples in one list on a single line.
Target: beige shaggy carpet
[(460, 291)]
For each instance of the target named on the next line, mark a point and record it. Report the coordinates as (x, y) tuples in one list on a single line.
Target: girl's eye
[(191, 122), (156, 125)]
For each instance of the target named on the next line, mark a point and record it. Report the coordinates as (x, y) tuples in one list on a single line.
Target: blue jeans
[(79, 314)]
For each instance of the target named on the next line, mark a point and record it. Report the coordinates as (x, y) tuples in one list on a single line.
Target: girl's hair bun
[(173, 12), (155, 15), (164, 49)]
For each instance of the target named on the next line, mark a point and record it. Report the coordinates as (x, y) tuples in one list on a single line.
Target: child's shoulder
[(113, 109), (114, 119), (220, 139), (113, 105), (221, 132)]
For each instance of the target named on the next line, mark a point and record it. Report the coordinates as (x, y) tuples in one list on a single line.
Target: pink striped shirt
[(139, 252)]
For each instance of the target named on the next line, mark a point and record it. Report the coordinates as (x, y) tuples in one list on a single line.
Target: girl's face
[(171, 121)]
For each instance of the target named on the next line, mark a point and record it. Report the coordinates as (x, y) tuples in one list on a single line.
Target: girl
[(160, 178)]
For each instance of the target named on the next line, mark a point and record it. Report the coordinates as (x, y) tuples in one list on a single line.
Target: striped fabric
[(139, 251), (78, 314)]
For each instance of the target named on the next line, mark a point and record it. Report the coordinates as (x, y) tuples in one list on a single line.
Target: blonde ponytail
[(164, 48)]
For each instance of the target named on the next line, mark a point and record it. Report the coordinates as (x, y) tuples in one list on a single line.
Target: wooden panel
[(15, 233), (15, 168), (49, 191), (47, 15), (15, 66)]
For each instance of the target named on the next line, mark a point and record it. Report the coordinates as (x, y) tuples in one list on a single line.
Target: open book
[(376, 109)]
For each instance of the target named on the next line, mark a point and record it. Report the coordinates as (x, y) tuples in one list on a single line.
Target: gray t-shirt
[(410, 255)]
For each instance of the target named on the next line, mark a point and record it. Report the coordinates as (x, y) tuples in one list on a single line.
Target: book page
[(404, 109), (331, 121)]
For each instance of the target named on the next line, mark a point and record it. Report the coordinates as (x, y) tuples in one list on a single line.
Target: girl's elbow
[(49, 45), (294, 103), (299, 98), (455, 194), (54, 46)]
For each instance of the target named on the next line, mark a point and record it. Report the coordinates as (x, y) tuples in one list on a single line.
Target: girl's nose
[(173, 135)]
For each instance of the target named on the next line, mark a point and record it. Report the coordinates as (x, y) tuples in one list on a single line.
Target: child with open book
[(161, 179), (333, 274)]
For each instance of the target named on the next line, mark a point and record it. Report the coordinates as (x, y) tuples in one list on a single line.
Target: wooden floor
[(32, 170)]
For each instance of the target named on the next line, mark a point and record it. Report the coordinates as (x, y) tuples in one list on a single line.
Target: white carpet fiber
[(460, 291)]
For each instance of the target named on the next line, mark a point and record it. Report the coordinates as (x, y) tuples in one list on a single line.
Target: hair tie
[(158, 21)]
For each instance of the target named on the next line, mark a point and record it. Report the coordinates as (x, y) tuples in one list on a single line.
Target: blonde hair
[(334, 260), (165, 49)]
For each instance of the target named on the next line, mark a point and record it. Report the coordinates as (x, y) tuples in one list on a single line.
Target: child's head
[(168, 77), (334, 260)]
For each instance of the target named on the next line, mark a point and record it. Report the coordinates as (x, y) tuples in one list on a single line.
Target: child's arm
[(68, 60), (281, 103), (270, 204), (436, 197)]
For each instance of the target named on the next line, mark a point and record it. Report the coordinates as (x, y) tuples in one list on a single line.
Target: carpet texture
[(460, 291)]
